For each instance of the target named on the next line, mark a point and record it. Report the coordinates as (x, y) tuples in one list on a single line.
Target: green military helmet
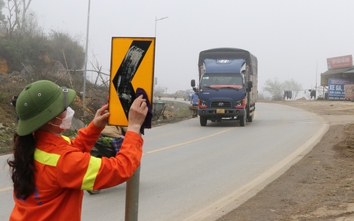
[(40, 102)]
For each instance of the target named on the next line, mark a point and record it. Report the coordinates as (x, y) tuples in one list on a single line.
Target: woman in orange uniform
[(49, 171)]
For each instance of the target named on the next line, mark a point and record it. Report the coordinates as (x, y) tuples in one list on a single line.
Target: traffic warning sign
[(132, 67)]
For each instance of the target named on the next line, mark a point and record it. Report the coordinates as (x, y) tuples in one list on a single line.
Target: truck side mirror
[(193, 83)]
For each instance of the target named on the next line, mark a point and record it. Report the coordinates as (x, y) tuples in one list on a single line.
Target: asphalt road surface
[(189, 172)]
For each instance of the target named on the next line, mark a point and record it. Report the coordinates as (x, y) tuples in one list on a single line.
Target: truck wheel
[(203, 121), (93, 192), (250, 118), (243, 121)]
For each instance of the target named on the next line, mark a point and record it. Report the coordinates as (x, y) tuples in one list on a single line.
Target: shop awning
[(341, 73)]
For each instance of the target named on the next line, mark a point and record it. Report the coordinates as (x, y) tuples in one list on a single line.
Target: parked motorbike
[(193, 110), (105, 147)]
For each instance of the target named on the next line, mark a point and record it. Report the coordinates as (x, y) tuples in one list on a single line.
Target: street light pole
[(132, 190), (85, 68), (156, 20)]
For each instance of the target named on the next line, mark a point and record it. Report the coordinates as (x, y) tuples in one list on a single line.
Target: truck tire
[(203, 121), (93, 192), (250, 118), (243, 121)]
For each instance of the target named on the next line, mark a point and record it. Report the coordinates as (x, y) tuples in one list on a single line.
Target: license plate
[(220, 111)]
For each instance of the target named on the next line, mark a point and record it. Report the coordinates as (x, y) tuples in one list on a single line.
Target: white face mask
[(66, 121)]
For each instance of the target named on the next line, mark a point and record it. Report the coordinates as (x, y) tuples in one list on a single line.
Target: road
[(190, 172)]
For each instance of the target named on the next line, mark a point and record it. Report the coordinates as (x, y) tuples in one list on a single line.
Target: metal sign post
[(132, 197)]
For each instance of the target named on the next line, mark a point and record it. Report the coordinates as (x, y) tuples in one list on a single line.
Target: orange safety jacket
[(64, 169)]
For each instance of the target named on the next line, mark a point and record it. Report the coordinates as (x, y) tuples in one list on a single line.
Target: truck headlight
[(202, 103), (238, 103)]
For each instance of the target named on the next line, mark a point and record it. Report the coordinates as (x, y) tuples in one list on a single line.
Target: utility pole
[(86, 49), (316, 73)]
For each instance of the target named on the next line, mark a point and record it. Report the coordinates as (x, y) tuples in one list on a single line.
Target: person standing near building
[(50, 171)]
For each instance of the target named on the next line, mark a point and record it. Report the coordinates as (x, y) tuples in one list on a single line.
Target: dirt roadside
[(321, 185)]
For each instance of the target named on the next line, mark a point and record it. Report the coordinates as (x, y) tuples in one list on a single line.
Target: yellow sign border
[(143, 78)]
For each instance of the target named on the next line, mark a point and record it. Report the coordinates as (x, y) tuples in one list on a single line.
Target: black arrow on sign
[(125, 74)]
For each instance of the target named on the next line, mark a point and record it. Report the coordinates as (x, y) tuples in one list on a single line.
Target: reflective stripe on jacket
[(63, 170)]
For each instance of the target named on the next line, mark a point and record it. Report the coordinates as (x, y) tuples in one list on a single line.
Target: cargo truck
[(227, 85)]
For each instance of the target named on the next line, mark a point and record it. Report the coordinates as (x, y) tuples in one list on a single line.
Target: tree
[(2, 16), (16, 20), (25, 43), (159, 90), (292, 86), (66, 50), (274, 88)]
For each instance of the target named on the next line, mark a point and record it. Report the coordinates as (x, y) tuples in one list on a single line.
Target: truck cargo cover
[(229, 53), (232, 66)]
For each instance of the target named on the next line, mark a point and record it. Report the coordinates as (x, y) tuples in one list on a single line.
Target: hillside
[(12, 84)]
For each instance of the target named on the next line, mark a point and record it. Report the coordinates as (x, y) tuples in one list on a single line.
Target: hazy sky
[(291, 38)]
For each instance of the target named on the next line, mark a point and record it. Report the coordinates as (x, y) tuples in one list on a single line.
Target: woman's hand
[(137, 114), (101, 116)]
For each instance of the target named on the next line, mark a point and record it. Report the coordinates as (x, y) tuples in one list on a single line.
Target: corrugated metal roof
[(337, 71), (342, 73)]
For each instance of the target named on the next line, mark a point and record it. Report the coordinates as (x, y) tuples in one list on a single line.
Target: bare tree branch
[(17, 18)]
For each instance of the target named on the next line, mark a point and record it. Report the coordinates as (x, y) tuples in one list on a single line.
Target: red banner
[(349, 91), (340, 62)]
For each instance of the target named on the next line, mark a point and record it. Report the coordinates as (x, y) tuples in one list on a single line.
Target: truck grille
[(221, 104)]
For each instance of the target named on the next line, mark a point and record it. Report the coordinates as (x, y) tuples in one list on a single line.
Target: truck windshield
[(221, 79)]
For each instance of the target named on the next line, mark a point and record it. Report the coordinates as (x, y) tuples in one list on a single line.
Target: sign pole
[(132, 197)]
